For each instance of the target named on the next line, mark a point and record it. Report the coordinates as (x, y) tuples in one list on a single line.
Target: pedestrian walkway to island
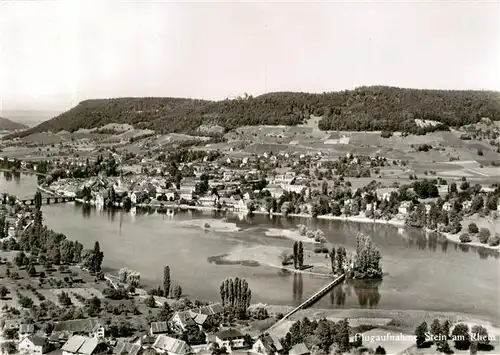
[(316, 296)]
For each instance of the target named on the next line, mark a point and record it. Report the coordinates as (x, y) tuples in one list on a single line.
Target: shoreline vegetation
[(454, 238)]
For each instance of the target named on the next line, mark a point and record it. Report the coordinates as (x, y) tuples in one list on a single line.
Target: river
[(419, 273)]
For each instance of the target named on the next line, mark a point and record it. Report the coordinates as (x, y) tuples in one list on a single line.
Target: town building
[(299, 349), (286, 178), (447, 206), (165, 194), (404, 208), (90, 327), (276, 191), (171, 346), (100, 198), (181, 320), (230, 339), (267, 344), (82, 345), (12, 324), (33, 345), (208, 201), (157, 328), (186, 195), (138, 197), (207, 316), (26, 330), (126, 348), (295, 188)]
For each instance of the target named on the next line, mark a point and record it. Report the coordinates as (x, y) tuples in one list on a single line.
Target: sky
[(56, 54)]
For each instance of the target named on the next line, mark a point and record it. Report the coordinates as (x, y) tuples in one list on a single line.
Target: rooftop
[(229, 334), (80, 344), (172, 345)]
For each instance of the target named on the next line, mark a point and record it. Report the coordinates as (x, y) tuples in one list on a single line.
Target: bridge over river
[(46, 199), (316, 296)]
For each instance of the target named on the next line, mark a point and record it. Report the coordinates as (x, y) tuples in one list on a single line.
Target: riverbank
[(295, 235), (362, 219), (455, 238), (358, 219)]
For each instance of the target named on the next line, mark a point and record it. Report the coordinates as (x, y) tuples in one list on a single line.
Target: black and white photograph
[(249, 177)]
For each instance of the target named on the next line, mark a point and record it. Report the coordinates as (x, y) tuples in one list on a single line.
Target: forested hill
[(365, 108), (9, 125)]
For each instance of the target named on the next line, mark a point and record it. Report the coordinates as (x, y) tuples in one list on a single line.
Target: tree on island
[(236, 296), (166, 281), (341, 257), (295, 254), (367, 259), (332, 259), (300, 255)]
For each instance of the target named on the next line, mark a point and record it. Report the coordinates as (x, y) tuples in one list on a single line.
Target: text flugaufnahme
[(389, 336)]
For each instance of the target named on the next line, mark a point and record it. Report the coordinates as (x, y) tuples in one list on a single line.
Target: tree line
[(325, 335), (439, 333), (235, 295), (361, 109)]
